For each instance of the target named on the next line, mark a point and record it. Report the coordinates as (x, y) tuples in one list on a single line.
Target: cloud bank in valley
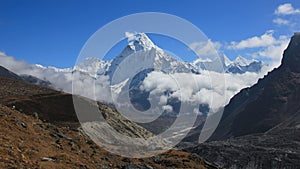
[(197, 88)]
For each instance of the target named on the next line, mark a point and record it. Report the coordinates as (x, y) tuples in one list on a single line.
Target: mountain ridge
[(260, 126), (274, 98), (5, 73)]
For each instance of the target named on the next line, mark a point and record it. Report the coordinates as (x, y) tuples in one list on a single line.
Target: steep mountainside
[(48, 104), (279, 149), (273, 100), (58, 108), (260, 127)]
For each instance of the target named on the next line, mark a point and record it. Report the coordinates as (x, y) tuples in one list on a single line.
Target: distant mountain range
[(152, 55), (145, 52), (238, 66), (155, 56)]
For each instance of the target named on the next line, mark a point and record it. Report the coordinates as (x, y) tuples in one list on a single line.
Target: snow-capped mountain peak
[(138, 42), (141, 50), (227, 61), (141, 41), (242, 61), (243, 65), (55, 69), (239, 65)]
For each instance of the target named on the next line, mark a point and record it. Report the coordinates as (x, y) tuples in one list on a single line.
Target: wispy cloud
[(286, 9), (264, 40), (266, 46), (206, 48), (273, 52), (287, 15), (280, 21)]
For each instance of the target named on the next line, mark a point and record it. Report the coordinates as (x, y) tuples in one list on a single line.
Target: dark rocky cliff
[(273, 100)]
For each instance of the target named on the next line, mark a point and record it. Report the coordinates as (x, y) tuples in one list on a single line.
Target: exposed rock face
[(260, 127), (273, 100), (291, 59)]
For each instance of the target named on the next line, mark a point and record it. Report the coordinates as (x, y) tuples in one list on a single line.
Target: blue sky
[(52, 32)]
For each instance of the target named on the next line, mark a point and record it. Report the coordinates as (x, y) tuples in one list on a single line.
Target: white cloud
[(286, 9), (274, 52), (62, 79), (280, 21), (268, 47), (264, 40), (206, 48), (130, 35), (197, 89)]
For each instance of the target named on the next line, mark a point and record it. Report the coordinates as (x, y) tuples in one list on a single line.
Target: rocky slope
[(49, 105), (260, 127), (273, 100), (28, 142), (57, 107), (272, 150), (40, 130)]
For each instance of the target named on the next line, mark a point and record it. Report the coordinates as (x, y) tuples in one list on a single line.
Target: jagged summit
[(242, 61), (141, 50), (239, 65), (141, 41), (137, 42)]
